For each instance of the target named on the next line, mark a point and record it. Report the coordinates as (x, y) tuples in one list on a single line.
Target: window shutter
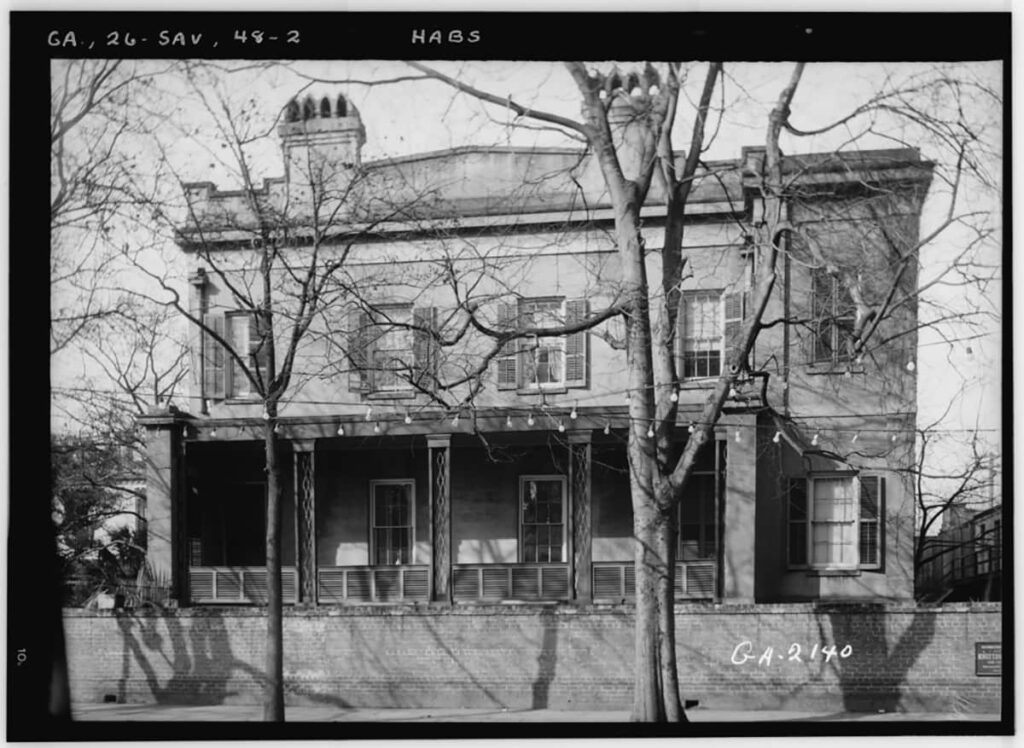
[(214, 357), (424, 346), (798, 521), (507, 359), (359, 377), (576, 345), (872, 506), (734, 304), (259, 353)]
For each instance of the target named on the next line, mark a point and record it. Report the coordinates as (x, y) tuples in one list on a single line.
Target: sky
[(414, 117)]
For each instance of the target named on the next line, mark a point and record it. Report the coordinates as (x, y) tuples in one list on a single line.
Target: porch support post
[(582, 537), (165, 501), (439, 453), (305, 519)]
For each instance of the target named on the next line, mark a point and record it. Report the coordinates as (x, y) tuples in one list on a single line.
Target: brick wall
[(897, 657)]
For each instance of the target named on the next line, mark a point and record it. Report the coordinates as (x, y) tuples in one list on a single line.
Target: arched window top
[(325, 107), (342, 106), (308, 108), (291, 111)]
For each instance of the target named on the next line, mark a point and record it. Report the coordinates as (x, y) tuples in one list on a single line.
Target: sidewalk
[(223, 713)]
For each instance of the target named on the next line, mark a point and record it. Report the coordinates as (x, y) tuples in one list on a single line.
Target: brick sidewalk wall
[(892, 657)]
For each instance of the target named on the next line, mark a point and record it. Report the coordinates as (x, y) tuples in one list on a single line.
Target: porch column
[(305, 519), (582, 539), (165, 505), (439, 453)]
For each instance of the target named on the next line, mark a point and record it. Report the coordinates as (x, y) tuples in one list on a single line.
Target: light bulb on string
[(607, 429), (369, 412), (674, 397), (911, 366), (854, 439), (529, 420), (847, 374), (573, 414), (893, 438), (777, 437), (408, 418), (732, 392), (508, 422), (650, 431), (376, 428), (561, 427), (627, 396), (277, 428), (341, 429), (814, 441), (266, 416), (738, 437), (455, 420), (213, 433), (690, 429)]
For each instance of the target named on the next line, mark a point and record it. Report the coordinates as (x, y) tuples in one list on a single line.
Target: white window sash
[(560, 479), (851, 526), (411, 484)]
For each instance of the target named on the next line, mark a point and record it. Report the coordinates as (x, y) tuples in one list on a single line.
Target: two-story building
[(401, 488)]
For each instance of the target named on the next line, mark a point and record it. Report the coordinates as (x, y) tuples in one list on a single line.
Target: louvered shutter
[(360, 376), (424, 346), (872, 520), (507, 359), (733, 304), (576, 345), (214, 358)]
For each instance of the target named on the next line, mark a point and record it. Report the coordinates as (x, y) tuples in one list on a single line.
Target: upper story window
[(833, 314), (541, 362), (392, 350), (836, 522), (223, 377), (710, 322)]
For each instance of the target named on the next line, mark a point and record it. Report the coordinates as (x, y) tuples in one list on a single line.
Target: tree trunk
[(666, 535), (273, 691), (648, 704)]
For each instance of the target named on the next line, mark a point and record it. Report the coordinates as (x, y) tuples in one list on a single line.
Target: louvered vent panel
[(359, 585), (389, 585), (495, 585), (332, 586), (608, 582), (525, 584), (700, 581), (417, 584), (229, 585), (201, 585), (254, 586), (288, 586), (555, 583), (465, 583)]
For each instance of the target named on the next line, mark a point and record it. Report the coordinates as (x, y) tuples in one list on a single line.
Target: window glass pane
[(833, 500), (702, 334)]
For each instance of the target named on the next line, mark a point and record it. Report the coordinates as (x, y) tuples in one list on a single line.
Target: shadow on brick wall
[(874, 677), (202, 665)]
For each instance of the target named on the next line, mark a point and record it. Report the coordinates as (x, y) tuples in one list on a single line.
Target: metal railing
[(616, 580), (237, 584), (372, 584)]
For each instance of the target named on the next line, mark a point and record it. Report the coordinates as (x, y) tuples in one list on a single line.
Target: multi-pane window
[(835, 522), (391, 354), (702, 334), (543, 358), (698, 509), (243, 334), (833, 314), (542, 519), (392, 522), (534, 361)]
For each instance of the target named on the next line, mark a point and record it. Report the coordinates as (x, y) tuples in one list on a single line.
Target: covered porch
[(449, 518)]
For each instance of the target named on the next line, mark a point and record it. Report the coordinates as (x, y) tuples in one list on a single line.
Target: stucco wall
[(897, 657)]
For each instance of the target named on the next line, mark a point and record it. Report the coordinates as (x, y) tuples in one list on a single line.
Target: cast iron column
[(579, 486), (439, 453), (305, 520)]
